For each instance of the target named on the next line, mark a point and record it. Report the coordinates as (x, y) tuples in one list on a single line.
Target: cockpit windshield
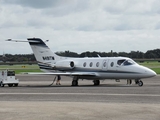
[(125, 62), (129, 62), (119, 62)]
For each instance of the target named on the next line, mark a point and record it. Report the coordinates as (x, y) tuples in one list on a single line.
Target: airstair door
[(105, 64)]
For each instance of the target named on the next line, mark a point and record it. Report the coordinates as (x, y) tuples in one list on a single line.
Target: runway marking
[(94, 94)]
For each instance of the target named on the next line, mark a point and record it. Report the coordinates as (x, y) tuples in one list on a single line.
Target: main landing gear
[(96, 82), (75, 81)]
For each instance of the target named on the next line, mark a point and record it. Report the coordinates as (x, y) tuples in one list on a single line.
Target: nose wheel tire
[(140, 83)]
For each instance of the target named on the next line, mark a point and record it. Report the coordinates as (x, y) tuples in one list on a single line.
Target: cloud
[(37, 4), (84, 16), (80, 25)]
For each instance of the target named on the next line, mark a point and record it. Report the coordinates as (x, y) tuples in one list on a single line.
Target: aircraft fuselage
[(104, 68)]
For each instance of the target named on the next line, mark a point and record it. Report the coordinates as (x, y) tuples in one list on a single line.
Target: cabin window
[(84, 64), (91, 64), (72, 64), (97, 64), (112, 64), (119, 62)]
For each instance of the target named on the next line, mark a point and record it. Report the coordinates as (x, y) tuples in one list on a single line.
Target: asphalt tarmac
[(36, 98)]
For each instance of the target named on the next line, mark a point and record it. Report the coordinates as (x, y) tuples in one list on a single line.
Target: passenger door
[(105, 65)]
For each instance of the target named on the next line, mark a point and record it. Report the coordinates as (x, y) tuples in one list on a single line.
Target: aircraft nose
[(154, 73), (151, 73)]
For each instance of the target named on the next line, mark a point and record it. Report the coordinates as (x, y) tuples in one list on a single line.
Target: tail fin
[(42, 52)]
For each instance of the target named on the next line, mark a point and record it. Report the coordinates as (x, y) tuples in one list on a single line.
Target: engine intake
[(72, 64), (64, 65)]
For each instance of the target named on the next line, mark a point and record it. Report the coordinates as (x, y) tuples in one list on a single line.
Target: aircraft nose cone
[(154, 73), (151, 73), (148, 72)]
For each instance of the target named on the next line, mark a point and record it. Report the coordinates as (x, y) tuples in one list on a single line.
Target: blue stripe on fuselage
[(85, 70)]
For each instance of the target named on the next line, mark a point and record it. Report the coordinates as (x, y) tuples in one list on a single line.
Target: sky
[(81, 25)]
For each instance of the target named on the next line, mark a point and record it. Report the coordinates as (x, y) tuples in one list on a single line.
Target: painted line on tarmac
[(94, 94)]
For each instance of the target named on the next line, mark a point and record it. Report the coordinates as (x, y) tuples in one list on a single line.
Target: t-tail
[(44, 56)]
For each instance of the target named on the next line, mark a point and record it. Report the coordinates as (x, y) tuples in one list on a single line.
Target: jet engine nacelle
[(64, 65)]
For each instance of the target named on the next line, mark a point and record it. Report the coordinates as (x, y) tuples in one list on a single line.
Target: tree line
[(150, 54)]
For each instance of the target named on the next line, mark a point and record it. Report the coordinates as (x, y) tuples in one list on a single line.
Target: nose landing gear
[(139, 82)]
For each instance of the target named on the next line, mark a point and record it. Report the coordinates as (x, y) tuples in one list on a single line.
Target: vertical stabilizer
[(42, 52)]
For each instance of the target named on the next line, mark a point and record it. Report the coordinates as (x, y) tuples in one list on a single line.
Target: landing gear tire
[(10, 85), (140, 83), (75, 83), (15, 85), (96, 82)]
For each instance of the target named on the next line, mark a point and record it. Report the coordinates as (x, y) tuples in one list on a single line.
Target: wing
[(66, 73)]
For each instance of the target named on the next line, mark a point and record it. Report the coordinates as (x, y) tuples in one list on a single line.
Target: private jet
[(95, 69)]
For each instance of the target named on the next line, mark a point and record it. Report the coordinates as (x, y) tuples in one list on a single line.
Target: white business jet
[(95, 69)]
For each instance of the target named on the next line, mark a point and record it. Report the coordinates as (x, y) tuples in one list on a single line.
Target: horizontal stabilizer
[(33, 41)]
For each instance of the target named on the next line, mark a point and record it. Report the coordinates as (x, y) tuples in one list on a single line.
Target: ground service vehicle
[(8, 78)]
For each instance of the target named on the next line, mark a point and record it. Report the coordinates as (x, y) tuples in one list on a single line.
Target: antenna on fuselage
[(98, 55), (46, 41)]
